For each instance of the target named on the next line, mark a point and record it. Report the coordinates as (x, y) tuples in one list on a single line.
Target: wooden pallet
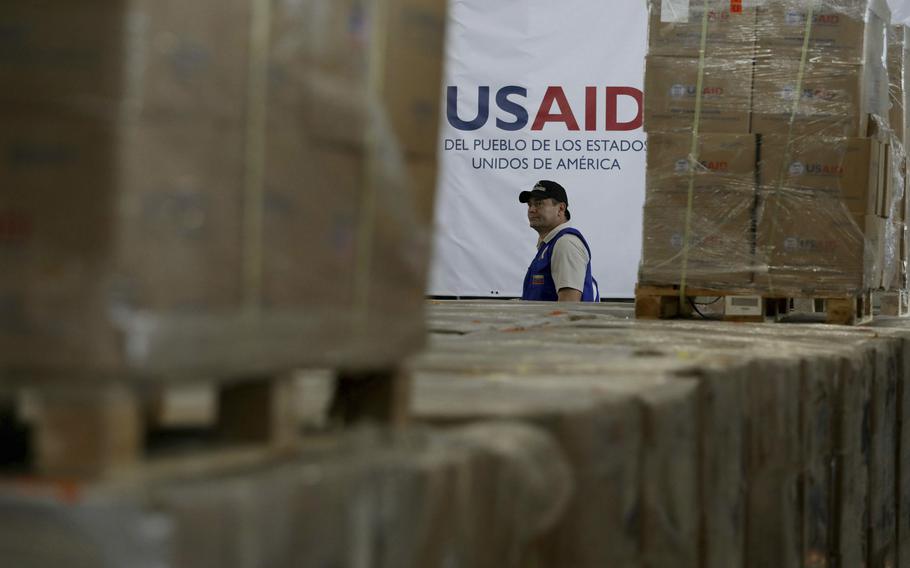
[(101, 431), (662, 302), (893, 302)]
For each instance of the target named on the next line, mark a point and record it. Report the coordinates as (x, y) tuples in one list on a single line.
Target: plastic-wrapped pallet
[(796, 198), (184, 178), (473, 497)]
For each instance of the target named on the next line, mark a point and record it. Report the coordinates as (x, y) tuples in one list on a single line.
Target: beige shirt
[(569, 261)]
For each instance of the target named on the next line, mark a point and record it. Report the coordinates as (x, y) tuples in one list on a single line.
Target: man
[(561, 269)]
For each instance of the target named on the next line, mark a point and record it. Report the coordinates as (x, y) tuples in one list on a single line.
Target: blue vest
[(539, 285)]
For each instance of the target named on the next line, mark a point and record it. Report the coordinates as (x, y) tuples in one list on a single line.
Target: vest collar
[(549, 236)]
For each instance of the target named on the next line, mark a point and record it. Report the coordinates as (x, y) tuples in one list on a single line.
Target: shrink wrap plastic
[(803, 201)]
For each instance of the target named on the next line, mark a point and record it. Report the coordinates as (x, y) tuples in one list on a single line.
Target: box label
[(742, 305)]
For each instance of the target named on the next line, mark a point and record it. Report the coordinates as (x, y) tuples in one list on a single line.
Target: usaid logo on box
[(816, 169), (788, 93), (793, 244), (682, 165), (680, 91), (794, 18)]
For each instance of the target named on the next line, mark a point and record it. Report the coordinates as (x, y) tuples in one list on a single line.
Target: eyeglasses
[(537, 203)]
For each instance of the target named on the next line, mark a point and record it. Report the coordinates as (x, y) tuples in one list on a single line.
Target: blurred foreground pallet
[(663, 302), (791, 442), (87, 431), (475, 497)]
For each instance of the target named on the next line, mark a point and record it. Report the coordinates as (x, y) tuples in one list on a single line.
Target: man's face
[(543, 213)]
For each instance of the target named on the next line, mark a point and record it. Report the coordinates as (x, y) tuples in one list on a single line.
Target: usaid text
[(600, 110)]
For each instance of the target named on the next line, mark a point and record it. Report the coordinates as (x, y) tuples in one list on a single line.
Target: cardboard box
[(904, 266), (810, 246), (670, 94), (891, 243), (893, 185), (905, 133), (896, 80), (845, 76), (149, 57), (838, 31), (412, 78), (726, 164), (850, 169), (317, 71), (675, 29), (831, 101), (900, 211), (720, 240)]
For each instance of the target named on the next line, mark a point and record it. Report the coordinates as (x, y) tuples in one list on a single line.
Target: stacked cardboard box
[(672, 67), (180, 178), (815, 200), (482, 495), (722, 203), (820, 205), (895, 59), (842, 77)]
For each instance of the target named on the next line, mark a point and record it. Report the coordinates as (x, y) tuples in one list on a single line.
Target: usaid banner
[(536, 89)]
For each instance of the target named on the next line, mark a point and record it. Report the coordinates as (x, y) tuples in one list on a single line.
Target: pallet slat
[(662, 302), (104, 431)]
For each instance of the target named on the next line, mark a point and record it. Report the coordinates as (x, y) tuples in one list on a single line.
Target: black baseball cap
[(546, 189)]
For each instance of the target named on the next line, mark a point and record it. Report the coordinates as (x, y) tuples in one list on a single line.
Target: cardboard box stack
[(820, 223), (723, 187), (895, 271), (180, 178), (722, 203), (823, 115), (816, 206)]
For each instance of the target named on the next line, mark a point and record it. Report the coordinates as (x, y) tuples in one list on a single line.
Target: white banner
[(537, 89)]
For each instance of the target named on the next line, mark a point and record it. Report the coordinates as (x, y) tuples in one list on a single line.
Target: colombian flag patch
[(537, 280)]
